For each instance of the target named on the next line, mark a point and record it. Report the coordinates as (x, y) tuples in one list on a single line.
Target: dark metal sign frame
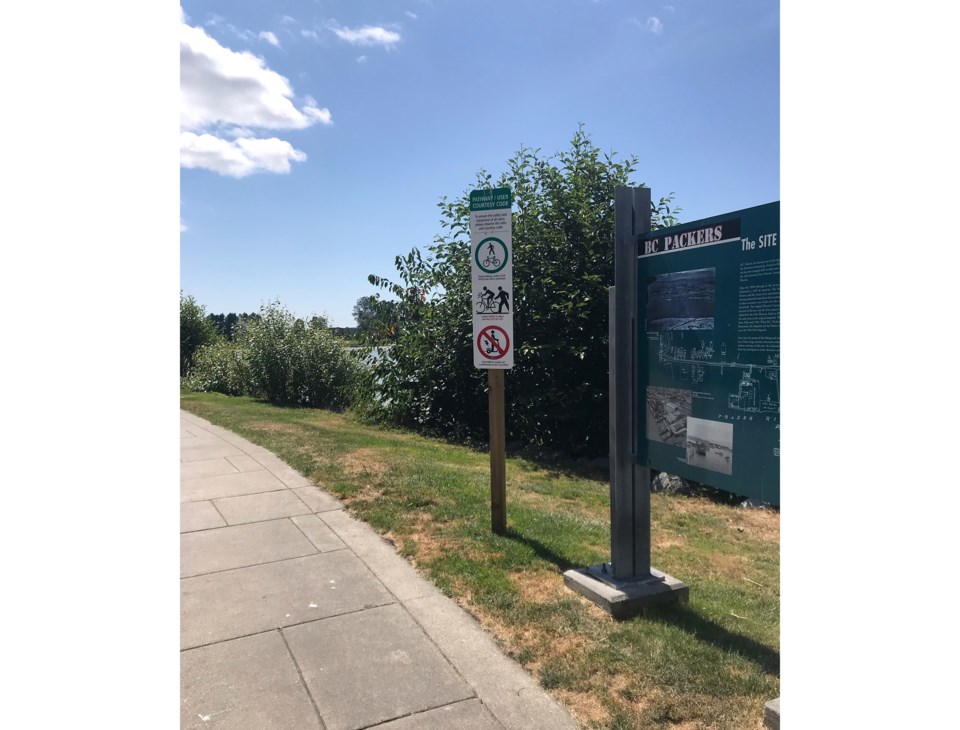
[(730, 402)]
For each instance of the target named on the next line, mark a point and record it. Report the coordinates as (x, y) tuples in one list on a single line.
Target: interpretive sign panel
[(491, 263), (708, 377)]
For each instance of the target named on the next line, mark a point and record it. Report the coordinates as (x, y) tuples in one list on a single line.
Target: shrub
[(195, 331), (556, 393), (280, 358), (296, 363), (220, 367)]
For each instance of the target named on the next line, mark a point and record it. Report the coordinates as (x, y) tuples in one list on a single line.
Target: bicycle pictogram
[(490, 303), (491, 255)]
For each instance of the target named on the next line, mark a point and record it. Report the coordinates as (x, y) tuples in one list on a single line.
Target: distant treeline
[(226, 324)]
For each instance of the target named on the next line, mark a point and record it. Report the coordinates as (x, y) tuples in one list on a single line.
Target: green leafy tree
[(365, 314), (195, 331), (563, 224), (377, 319)]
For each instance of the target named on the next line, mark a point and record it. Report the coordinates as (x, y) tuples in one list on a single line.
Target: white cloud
[(225, 93), (361, 59), (238, 158), (321, 115), (368, 35), (247, 35), (287, 20), (218, 85), (410, 15), (309, 34), (269, 37), (183, 226), (654, 25)]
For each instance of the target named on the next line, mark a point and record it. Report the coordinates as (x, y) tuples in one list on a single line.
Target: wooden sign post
[(491, 263), (498, 453)]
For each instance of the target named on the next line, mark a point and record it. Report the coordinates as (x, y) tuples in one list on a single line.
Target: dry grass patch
[(588, 708), (539, 587), (429, 546), (272, 427), (550, 504), (760, 524), (363, 461), (365, 493), (727, 566), (660, 541)]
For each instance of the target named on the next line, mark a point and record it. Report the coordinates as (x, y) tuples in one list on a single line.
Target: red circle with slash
[(498, 349)]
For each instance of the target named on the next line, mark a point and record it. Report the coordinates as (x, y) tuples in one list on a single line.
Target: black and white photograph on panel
[(710, 445), (667, 413), (681, 300)]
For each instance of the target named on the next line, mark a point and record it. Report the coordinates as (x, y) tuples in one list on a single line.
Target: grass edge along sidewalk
[(711, 664)]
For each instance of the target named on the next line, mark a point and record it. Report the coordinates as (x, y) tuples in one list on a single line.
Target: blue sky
[(317, 137), (91, 269)]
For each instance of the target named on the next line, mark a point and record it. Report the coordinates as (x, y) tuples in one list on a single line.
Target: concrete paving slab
[(228, 485), (318, 500), (400, 578), (240, 546), (202, 451), (202, 436), (466, 715), (247, 447), (771, 714), (512, 695), (318, 533), (372, 666), (260, 507), (199, 516), (250, 600), (206, 468), (285, 473), (245, 463), (295, 593), (245, 683)]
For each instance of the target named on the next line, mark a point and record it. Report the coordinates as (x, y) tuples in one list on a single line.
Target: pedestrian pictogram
[(493, 299), (491, 255), (490, 302), (493, 342), (491, 267)]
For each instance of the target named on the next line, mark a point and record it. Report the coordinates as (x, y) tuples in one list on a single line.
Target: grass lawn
[(711, 664)]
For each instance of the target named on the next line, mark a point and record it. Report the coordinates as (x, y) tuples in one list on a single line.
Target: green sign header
[(490, 199)]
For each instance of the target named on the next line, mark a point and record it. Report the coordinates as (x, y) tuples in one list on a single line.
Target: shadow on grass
[(703, 629), (339, 410), (682, 617), (543, 552)]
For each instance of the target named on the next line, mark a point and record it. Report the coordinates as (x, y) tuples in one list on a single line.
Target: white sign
[(491, 263)]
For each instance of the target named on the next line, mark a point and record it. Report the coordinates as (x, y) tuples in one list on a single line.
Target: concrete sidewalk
[(295, 615)]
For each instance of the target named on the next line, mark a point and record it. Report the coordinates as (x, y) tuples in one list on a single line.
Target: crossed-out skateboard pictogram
[(493, 342)]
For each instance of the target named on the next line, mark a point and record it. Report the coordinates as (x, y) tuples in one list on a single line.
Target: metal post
[(498, 456), (631, 583), (629, 482)]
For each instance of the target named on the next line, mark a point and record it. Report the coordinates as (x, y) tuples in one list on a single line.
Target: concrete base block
[(622, 598), (771, 714)]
